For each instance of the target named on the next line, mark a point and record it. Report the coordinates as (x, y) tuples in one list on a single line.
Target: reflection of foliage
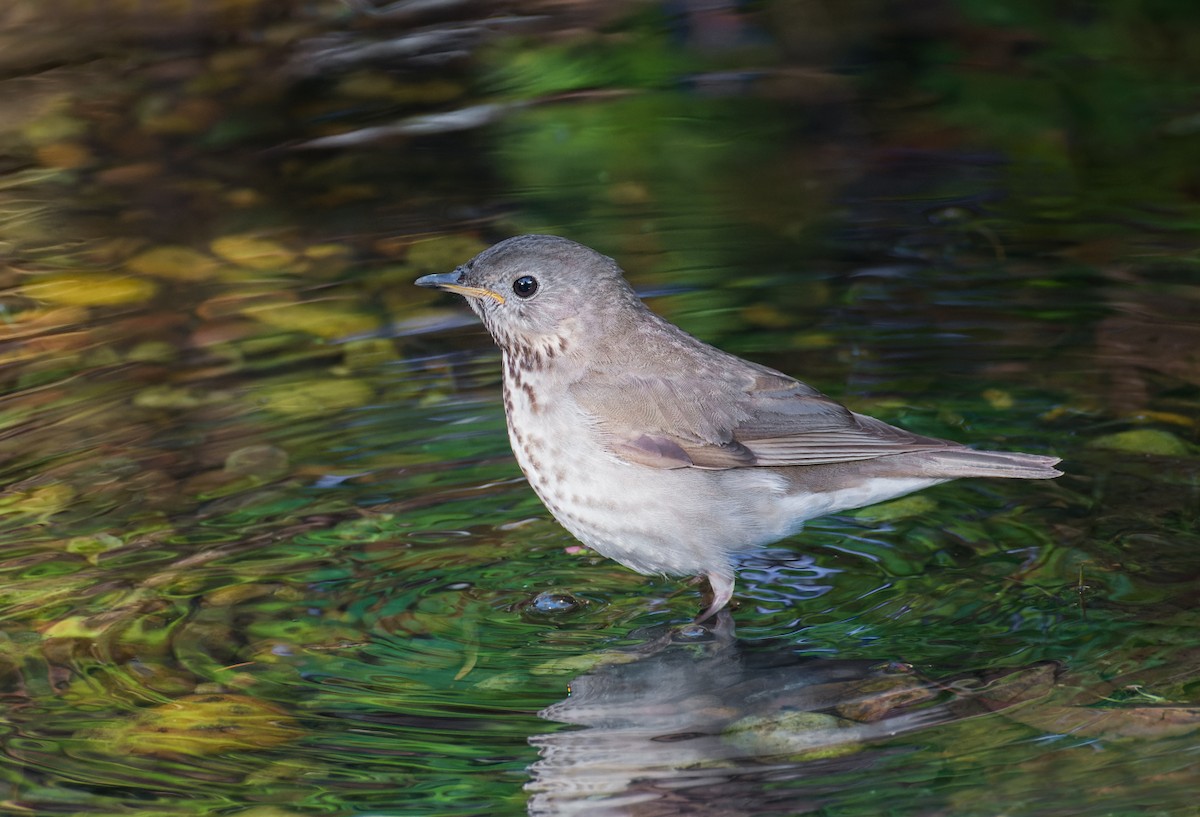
[(640, 56), (651, 163), (660, 181), (647, 156), (1096, 109)]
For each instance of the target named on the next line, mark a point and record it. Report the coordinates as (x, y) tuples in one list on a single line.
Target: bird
[(662, 452)]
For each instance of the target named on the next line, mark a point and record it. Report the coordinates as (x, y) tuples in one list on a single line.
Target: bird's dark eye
[(525, 286)]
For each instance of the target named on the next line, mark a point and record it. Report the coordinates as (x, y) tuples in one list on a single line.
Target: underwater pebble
[(1143, 441), (812, 734), (202, 724), (554, 603), (152, 351), (65, 155), (169, 261), (443, 253), (313, 398), (262, 461), (693, 632), (252, 251), (89, 289), (323, 319)]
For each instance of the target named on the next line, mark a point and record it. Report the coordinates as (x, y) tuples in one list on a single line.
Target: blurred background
[(263, 549)]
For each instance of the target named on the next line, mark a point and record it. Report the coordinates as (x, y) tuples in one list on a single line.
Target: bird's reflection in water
[(697, 722)]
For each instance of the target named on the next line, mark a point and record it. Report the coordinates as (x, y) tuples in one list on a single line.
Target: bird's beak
[(449, 281)]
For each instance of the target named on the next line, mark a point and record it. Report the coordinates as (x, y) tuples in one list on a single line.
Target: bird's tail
[(965, 462)]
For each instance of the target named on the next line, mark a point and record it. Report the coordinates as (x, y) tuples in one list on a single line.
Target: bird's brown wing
[(751, 416)]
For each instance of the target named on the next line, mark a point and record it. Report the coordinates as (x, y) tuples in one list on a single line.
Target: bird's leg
[(722, 592)]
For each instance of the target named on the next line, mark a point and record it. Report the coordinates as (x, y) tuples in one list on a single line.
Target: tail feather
[(966, 462)]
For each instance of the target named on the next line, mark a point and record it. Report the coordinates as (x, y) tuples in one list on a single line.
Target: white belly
[(683, 521)]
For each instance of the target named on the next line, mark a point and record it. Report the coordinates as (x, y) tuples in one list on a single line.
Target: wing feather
[(735, 417)]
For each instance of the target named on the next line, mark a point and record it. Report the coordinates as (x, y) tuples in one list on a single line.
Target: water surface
[(265, 551)]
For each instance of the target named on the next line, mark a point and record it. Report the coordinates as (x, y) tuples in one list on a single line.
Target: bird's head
[(542, 291)]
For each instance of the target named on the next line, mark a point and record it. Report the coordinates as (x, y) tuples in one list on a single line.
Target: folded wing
[(750, 416)]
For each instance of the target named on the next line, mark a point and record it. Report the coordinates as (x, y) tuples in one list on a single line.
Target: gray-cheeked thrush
[(662, 452)]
